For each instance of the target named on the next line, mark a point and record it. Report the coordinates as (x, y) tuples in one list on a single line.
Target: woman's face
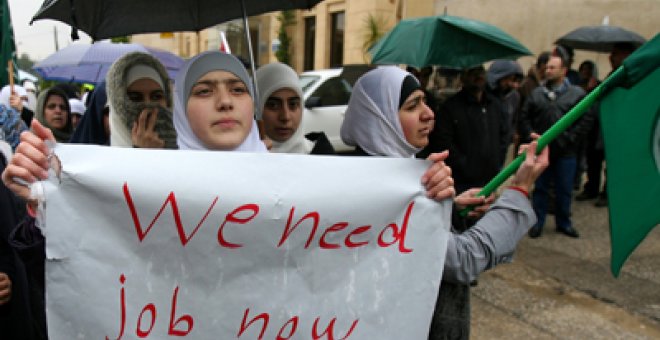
[(55, 112), (220, 110), (416, 119), (145, 90), (282, 114)]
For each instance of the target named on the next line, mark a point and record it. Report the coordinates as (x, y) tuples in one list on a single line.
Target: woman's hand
[(16, 102), (469, 198), (532, 167), (143, 134), (437, 179), (30, 161), (5, 289)]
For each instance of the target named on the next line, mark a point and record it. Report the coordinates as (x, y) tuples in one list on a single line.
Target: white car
[(326, 95)]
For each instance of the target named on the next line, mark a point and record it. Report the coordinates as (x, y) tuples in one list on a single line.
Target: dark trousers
[(562, 172)]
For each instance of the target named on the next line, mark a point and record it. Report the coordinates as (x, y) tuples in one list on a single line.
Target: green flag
[(630, 121), (7, 45)]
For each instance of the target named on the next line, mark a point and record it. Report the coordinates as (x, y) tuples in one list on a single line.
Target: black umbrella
[(599, 38), (103, 19)]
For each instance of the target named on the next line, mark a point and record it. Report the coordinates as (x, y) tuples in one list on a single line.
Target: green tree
[(24, 62), (283, 53), (121, 40), (374, 29)]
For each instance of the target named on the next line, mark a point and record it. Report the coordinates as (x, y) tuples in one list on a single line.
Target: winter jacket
[(544, 107)]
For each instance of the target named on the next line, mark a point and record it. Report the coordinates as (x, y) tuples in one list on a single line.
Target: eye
[(135, 97), (273, 104), (157, 96), (294, 104), (201, 90), (238, 89)]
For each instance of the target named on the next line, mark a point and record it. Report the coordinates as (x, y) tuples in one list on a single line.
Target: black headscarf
[(91, 129)]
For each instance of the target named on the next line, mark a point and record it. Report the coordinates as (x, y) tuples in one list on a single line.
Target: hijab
[(372, 117), (5, 93), (61, 135), (124, 112), (91, 129), (274, 77), (191, 71)]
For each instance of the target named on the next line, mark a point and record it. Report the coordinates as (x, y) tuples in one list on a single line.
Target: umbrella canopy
[(599, 38), (445, 41), (89, 63), (103, 19)]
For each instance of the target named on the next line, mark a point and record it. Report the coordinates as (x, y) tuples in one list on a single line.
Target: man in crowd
[(545, 105)]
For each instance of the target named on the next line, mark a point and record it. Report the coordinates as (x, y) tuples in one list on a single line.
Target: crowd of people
[(212, 106)]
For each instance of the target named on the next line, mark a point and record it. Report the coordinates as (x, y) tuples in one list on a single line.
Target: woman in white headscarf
[(214, 108), (280, 98), (387, 116)]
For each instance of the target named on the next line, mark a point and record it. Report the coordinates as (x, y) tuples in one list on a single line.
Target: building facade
[(337, 32)]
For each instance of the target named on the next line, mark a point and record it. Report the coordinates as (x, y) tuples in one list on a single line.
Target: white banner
[(223, 245)]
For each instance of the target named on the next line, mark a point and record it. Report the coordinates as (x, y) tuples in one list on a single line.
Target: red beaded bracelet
[(519, 189), (30, 210)]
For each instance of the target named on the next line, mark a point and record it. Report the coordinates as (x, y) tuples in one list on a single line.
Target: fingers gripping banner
[(218, 245)]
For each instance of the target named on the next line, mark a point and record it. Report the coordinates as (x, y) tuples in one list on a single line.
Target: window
[(337, 40), (310, 41), (334, 91)]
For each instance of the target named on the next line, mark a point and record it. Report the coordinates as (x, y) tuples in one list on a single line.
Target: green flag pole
[(555, 130)]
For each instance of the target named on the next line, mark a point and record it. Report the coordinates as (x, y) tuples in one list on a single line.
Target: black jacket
[(23, 317), (544, 107), (476, 133)]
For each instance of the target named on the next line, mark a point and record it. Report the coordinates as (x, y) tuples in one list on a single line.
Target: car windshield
[(306, 81)]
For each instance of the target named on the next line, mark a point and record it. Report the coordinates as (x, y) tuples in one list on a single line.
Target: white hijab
[(274, 77), (191, 71), (372, 117)]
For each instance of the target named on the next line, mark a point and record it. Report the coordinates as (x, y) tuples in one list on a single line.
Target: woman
[(214, 109), (280, 99), (140, 101), (53, 112), (387, 116)]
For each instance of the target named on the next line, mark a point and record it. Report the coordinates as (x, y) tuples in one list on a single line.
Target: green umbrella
[(445, 41)]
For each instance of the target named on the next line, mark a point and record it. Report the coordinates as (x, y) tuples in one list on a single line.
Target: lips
[(225, 123)]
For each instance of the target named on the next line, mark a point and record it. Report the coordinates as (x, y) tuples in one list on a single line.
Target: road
[(561, 288)]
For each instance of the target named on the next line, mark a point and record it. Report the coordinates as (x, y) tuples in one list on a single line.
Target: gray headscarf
[(191, 71), (372, 117)]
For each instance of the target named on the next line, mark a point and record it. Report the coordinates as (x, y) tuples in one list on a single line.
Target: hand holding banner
[(235, 245)]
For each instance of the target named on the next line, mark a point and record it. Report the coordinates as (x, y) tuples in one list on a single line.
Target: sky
[(37, 40)]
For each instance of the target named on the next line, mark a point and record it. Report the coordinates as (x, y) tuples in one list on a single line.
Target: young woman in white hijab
[(280, 98), (387, 116), (214, 109)]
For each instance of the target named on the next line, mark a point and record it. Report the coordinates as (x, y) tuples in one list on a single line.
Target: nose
[(427, 113), (223, 100), (286, 113)]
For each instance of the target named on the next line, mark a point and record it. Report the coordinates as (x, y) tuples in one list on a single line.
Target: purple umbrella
[(89, 63)]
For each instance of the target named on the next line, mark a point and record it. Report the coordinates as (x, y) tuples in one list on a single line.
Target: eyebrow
[(213, 82), (416, 98)]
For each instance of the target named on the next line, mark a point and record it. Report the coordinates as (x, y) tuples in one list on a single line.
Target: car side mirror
[(312, 102)]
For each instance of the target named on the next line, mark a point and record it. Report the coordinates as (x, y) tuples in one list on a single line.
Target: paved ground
[(561, 288)]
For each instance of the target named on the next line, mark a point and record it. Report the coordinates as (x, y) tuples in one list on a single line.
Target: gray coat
[(491, 241)]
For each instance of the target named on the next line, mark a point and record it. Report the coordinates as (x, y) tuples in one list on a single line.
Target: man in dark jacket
[(504, 77), (546, 105), (472, 125)]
